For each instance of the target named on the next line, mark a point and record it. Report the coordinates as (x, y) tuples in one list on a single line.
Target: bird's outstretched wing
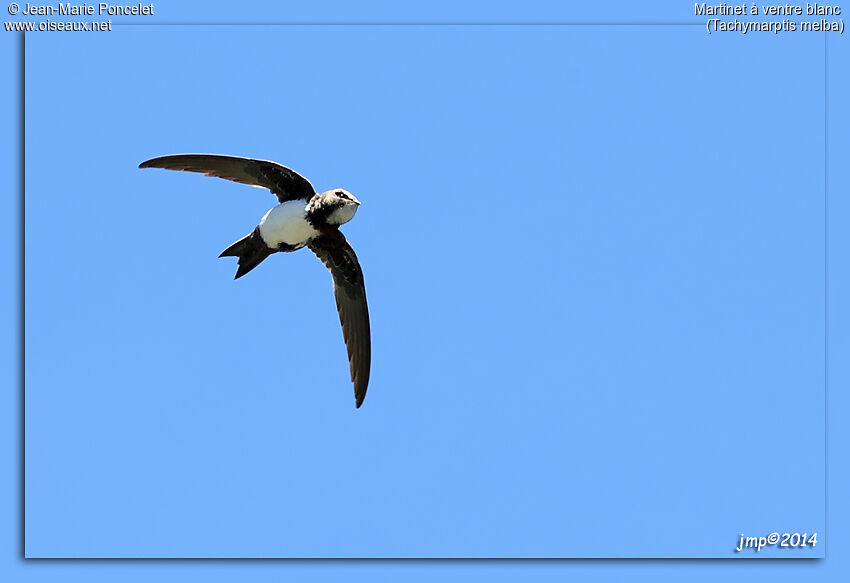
[(284, 183), (350, 294)]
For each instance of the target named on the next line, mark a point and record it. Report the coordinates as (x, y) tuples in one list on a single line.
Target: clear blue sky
[(595, 264)]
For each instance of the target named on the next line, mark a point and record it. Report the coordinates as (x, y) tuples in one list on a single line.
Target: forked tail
[(251, 250)]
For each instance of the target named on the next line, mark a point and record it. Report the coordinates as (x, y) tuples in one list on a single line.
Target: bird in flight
[(303, 217)]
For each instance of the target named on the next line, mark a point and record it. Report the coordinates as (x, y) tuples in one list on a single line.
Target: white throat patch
[(342, 214)]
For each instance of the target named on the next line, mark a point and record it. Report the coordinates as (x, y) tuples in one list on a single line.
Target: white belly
[(287, 223)]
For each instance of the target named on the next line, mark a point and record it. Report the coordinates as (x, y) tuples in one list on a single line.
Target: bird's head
[(340, 206)]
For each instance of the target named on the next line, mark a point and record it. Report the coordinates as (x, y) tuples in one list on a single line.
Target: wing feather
[(284, 183), (350, 294)]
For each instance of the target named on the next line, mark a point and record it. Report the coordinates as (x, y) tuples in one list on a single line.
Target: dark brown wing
[(350, 294), (284, 183)]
